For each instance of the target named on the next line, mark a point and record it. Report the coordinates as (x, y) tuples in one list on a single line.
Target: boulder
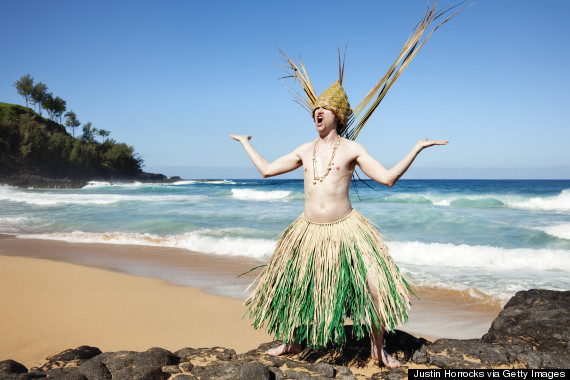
[(95, 370), (254, 371), (79, 353), (539, 317), (10, 366)]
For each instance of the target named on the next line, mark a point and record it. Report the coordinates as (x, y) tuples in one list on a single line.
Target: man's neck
[(329, 137)]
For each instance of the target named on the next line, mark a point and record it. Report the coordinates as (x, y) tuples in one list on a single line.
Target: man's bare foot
[(291, 348), (388, 361)]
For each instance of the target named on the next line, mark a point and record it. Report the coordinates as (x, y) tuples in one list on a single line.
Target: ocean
[(489, 237)]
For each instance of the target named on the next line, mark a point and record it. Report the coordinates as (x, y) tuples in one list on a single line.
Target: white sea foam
[(182, 183), (561, 231), (484, 257), (201, 181), (558, 202), (91, 184), (13, 224), (95, 184), (259, 195), (218, 182), (199, 241), (456, 200), (41, 198), (17, 220), (464, 200), (495, 271)]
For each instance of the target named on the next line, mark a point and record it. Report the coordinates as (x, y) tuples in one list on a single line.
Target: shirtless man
[(327, 200)]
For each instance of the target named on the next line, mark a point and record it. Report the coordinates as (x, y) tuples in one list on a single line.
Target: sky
[(174, 78)]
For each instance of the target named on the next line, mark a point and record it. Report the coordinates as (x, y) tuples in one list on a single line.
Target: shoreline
[(64, 295), (438, 313)]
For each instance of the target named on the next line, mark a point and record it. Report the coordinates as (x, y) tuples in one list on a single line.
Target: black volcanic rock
[(10, 366), (531, 332), (83, 352), (33, 180), (155, 357), (538, 317), (254, 371), (94, 370), (115, 361), (217, 353), (140, 373)]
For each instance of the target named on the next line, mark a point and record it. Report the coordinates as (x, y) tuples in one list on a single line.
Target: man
[(300, 295)]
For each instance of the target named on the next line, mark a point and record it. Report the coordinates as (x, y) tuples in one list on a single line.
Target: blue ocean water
[(495, 236)]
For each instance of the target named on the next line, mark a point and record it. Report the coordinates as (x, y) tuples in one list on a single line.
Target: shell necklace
[(331, 163)]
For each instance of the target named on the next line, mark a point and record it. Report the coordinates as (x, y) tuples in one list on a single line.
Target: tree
[(48, 105), (39, 95), (71, 121), (54, 106), (88, 132), (103, 133), (60, 106), (25, 85)]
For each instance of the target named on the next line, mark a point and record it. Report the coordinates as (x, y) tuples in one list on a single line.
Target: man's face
[(325, 119)]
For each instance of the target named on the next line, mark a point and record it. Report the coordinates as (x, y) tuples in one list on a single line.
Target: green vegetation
[(32, 144), (25, 86)]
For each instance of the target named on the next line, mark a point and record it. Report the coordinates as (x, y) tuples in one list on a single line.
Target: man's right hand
[(241, 138)]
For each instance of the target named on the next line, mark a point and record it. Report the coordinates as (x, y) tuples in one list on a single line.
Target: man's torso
[(327, 200)]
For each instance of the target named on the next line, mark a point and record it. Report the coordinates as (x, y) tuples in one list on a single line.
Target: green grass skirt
[(319, 275)]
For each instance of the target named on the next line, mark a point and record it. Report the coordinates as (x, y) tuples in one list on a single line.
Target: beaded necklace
[(331, 163)]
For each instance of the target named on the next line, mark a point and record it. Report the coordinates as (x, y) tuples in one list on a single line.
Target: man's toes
[(389, 361), (276, 351), (283, 349)]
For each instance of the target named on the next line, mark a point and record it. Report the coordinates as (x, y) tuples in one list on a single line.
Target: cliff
[(38, 152)]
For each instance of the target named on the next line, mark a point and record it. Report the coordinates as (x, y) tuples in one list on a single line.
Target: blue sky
[(174, 78)]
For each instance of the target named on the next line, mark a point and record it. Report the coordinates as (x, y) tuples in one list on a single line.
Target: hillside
[(35, 151)]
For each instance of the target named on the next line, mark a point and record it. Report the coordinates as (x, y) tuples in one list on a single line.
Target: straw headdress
[(334, 98)]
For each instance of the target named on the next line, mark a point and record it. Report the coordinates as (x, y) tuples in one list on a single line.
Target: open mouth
[(319, 119)]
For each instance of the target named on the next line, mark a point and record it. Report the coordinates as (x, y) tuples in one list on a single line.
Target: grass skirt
[(317, 276)]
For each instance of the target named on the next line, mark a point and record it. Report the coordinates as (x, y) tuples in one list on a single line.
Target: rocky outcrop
[(533, 331), (539, 318), (32, 180), (37, 181)]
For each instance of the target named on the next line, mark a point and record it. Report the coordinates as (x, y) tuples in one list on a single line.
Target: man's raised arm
[(389, 177), (281, 165)]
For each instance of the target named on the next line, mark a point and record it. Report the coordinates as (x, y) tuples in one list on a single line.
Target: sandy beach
[(51, 306), (59, 295)]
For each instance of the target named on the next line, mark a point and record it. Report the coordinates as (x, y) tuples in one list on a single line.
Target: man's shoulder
[(351, 144), (306, 145)]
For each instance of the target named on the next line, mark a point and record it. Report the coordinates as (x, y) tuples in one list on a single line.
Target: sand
[(58, 295), (50, 306)]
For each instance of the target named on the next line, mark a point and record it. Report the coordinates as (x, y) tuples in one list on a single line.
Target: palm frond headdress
[(334, 98)]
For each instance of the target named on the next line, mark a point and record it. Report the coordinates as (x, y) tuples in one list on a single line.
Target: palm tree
[(103, 133), (71, 121)]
